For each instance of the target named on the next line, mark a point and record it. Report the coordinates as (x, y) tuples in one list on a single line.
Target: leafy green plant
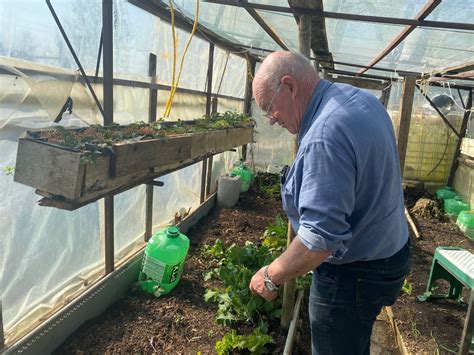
[(237, 264), (275, 236), (407, 287), (255, 342), (268, 184)]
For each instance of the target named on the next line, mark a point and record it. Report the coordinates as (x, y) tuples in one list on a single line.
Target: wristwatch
[(269, 285)]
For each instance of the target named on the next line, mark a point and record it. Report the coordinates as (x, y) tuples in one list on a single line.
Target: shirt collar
[(313, 105)]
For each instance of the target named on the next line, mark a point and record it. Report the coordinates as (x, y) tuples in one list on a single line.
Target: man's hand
[(257, 286)]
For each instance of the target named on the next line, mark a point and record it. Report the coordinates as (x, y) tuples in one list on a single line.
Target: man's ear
[(291, 83)]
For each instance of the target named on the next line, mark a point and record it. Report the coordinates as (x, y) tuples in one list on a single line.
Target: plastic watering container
[(163, 261), (453, 206), (246, 175), (465, 223), (446, 193)]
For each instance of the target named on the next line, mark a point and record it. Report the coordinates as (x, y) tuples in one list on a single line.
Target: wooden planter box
[(69, 181)]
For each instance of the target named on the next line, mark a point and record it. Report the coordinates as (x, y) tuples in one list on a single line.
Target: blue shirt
[(343, 192)]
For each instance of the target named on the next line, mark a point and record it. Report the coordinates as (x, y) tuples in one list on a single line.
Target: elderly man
[(343, 196)]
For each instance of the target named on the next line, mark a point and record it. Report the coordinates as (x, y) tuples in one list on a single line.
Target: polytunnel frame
[(298, 8), (34, 340)]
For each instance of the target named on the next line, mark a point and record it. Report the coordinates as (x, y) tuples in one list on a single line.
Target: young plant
[(255, 342), (237, 264)]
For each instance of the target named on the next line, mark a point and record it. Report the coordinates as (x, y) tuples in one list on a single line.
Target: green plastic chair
[(455, 265)]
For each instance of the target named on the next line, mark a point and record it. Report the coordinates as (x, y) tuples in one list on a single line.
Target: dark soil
[(435, 326), (182, 323)]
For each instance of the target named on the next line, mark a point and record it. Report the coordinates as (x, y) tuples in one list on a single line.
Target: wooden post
[(468, 330), (248, 96), (209, 176), (462, 132), (107, 25), (151, 118), (2, 336), (289, 289), (405, 118), (203, 180), (210, 69), (386, 95)]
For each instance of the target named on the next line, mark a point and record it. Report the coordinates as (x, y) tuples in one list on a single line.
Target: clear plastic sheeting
[(274, 145), (233, 23), (426, 50), (49, 256), (431, 143), (358, 42)]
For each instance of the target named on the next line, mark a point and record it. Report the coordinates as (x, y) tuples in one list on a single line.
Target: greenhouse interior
[(169, 84)]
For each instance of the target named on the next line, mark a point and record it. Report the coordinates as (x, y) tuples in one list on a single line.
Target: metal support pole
[(76, 59), (151, 118), (457, 152), (443, 117), (107, 26)]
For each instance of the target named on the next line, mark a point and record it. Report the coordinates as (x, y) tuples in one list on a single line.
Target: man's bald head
[(277, 65)]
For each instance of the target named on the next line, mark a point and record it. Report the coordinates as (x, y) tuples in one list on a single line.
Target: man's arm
[(296, 261)]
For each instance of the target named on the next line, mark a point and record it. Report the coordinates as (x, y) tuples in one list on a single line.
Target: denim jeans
[(346, 299)]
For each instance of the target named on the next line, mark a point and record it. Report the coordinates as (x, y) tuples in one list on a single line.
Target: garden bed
[(182, 322), (71, 168), (433, 327)]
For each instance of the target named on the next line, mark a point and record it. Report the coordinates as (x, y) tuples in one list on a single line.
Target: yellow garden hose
[(174, 84)]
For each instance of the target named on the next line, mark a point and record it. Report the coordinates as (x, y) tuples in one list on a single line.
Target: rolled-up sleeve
[(326, 198)]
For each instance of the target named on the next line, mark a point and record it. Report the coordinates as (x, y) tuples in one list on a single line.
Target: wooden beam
[(468, 329), (161, 10), (248, 96), (386, 95), (263, 24), (152, 108), (412, 224), (362, 83), (463, 130), (209, 176), (107, 33), (346, 16), (210, 69), (421, 15), (2, 335), (454, 70), (203, 181), (289, 288), (290, 338), (405, 118)]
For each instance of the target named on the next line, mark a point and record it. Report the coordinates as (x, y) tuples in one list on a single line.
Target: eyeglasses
[(267, 114)]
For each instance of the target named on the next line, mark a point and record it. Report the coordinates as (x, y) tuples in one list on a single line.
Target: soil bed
[(436, 326), (182, 322)]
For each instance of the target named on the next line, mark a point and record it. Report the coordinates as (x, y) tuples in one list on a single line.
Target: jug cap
[(172, 231)]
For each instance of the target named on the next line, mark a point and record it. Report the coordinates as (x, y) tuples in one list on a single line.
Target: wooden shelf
[(68, 181)]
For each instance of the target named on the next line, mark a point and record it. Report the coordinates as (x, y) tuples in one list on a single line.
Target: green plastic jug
[(465, 223), (446, 193), (246, 175), (452, 206), (163, 261)]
